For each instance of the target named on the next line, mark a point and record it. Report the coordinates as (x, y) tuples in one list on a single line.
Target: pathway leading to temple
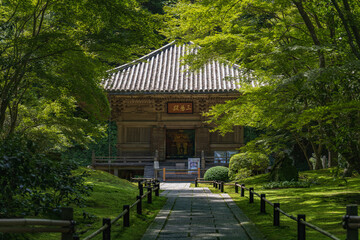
[(196, 213)]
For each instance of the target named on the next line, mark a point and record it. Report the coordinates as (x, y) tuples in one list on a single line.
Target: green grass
[(106, 200), (323, 203)]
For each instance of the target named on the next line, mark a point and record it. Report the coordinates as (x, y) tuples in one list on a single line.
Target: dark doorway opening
[(180, 143)]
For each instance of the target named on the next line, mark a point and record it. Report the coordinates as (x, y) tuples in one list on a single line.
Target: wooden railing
[(151, 186), (122, 160), (65, 226), (351, 222)]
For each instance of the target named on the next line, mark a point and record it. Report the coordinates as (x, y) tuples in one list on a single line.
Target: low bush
[(246, 164), (218, 173), (36, 183)]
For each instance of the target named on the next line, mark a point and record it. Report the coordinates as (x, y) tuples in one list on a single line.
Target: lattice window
[(138, 135)]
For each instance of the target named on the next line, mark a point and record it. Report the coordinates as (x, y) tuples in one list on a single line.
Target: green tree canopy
[(304, 56), (53, 55)]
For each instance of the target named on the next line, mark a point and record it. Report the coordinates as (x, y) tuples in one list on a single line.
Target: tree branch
[(312, 31)]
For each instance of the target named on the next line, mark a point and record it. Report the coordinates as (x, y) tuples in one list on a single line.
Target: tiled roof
[(162, 72)]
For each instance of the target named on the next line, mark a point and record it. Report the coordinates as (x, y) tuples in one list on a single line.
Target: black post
[(236, 188), (301, 227), (157, 189), (107, 231), (219, 185), (67, 214), (139, 205), (222, 186), (126, 222), (262, 203), (351, 234), (196, 182), (141, 188), (149, 196), (242, 191), (276, 214), (251, 195)]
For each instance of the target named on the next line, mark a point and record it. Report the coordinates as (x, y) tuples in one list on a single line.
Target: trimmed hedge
[(218, 173)]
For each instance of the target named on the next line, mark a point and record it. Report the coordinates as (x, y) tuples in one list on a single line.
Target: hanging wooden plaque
[(180, 107)]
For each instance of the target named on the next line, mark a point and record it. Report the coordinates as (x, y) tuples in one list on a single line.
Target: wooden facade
[(163, 120), (144, 126)]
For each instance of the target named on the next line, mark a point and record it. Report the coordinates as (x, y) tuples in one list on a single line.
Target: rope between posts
[(256, 194), (97, 232), (136, 202), (268, 201), (118, 217), (319, 230), (289, 216)]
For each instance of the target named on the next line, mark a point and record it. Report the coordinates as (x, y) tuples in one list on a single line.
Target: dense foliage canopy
[(305, 62), (53, 56)]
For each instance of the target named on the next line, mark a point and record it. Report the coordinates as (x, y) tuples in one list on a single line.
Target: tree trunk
[(311, 28), (333, 159), (347, 29), (348, 171)]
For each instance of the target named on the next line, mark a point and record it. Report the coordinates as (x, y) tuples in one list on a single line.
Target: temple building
[(158, 108)]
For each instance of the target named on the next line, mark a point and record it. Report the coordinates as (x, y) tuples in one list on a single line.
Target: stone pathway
[(196, 213)]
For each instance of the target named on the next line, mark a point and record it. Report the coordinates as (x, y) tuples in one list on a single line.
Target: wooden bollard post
[(251, 195), (301, 227), (157, 189), (141, 188), (107, 231), (222, 187), (149, 196), (236, 188), (351, 233), (67, 214), (196, 182), (242, 190), (262, 203), (126, 222), (276, 214), (139, 205), (164, 174)]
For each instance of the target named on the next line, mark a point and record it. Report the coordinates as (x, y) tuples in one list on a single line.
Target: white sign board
[(193, 163)]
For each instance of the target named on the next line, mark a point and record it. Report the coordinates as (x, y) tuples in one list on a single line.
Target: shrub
[(284, 170), (245, 164), (36, 183), (218, 173)]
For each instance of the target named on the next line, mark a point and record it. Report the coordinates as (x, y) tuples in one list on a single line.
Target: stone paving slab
[(197, 213)]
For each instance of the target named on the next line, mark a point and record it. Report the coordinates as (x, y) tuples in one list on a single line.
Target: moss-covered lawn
[(106, 200), (323, 203)]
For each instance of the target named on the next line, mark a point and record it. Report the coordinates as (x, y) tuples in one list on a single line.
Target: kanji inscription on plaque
[(180, 107)]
